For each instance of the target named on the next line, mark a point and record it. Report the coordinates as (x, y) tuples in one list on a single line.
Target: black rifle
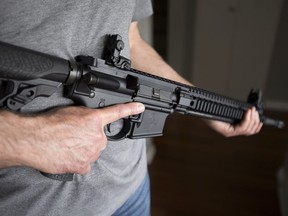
[(26, 74)]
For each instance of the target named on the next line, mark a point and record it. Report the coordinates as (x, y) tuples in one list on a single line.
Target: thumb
[(115, 112)]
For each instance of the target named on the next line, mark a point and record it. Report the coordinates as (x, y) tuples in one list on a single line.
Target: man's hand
[(250, 125), (64, 140)]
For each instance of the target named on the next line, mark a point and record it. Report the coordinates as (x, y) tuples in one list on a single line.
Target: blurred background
[(229, 47)]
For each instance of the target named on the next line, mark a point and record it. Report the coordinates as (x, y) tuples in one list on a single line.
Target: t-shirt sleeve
[(143, 9)]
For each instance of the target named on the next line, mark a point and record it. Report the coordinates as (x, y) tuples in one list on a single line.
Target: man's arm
[(64, 140), (145, 58)]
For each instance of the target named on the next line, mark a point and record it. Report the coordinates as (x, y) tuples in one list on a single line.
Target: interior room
[(226, 47)]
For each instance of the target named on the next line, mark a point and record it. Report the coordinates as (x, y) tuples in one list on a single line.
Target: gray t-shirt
[(67, 28)]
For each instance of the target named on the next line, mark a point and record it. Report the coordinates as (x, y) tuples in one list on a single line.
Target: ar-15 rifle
[(26, 74)]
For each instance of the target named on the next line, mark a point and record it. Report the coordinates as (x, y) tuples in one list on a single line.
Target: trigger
[(136, 118)]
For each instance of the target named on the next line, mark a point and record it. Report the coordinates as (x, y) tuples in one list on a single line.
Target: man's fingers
[(257, 123), (113, 113), (251, 123), (259, 127), (242, 127)]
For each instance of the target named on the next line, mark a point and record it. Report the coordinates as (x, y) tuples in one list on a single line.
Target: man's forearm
[(9, 154)]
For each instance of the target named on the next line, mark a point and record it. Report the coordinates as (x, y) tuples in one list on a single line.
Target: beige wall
[(226, 46)]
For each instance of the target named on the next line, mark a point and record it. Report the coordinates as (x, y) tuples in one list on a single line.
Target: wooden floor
[(198, 172)]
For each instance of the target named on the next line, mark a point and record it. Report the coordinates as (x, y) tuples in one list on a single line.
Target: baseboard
[(276, 105)]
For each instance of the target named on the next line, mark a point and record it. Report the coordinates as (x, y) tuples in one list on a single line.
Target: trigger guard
[(122, 133)]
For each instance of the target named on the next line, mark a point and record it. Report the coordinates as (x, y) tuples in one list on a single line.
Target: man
[(112, 178)]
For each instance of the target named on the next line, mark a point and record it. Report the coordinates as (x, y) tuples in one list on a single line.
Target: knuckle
[(84, 170), (102, 147), (83, 167), (97, 145), (100, 138)]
